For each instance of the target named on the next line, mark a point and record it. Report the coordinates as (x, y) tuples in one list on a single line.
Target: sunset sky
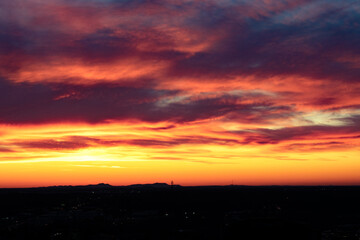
[(201, 92)]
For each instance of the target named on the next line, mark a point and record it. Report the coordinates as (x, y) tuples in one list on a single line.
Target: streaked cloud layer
[(200, 92)]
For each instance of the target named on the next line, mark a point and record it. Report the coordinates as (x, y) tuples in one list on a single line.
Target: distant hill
[(153, 185), (99, 185), (105, 185)]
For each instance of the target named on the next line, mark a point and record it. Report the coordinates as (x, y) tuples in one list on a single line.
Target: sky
[(201, 92)]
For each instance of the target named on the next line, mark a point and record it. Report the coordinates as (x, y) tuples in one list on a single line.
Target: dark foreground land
[(160, 211)]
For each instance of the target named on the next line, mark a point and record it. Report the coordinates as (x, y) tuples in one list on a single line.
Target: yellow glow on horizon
[(186, 164), (122, 153)]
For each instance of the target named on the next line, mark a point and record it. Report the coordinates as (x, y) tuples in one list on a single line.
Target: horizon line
[(184, 186)]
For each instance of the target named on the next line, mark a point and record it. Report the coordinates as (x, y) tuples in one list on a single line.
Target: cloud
[(80, 142), (41, 103), (6, 149), (305, 48), (317, 147), (351, 126), (44, 103), (195, 140), (180, 62), (188, 39), (53, 145), (265, 49)]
